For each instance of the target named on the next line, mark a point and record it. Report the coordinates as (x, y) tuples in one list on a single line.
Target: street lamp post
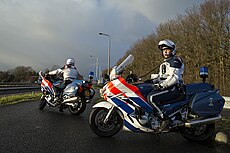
[(96, 66), (109, 46)]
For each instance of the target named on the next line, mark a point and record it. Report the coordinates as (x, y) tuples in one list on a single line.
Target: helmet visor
[(162, 47)]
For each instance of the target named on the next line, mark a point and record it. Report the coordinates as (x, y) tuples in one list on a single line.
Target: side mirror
[(204, 73)]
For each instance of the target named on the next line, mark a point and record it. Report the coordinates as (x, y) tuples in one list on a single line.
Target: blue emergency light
[(204, 72), (91, 74)]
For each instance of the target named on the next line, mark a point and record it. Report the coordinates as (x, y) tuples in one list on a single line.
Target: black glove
[(157, 86)]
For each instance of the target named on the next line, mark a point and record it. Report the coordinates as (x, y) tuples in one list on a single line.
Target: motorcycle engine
[(154, 122)]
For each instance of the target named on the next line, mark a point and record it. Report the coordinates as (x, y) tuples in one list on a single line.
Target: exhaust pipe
[(204, 121), (73, 99)]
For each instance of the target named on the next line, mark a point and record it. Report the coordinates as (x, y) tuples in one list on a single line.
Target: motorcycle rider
[(171, 70), (167, 82), (69, 73)]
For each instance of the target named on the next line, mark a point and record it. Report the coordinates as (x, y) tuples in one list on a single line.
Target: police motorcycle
[(193, 114), (74, 96)]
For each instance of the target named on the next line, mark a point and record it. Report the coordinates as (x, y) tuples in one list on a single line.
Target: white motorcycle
[(74, 96), (193, 114)]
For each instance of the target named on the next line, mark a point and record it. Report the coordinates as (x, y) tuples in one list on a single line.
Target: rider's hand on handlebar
[(157, 86)]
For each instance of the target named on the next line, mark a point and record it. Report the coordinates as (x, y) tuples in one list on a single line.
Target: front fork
[(112, 110)]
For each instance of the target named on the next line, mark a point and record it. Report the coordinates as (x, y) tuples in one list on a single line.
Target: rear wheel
[(78, 108), (42, 103), (199, 133), (108, 129)]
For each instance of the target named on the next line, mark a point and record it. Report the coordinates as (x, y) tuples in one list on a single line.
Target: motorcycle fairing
[(120, 87), (123, 105), (46, 85), (131, 127), (117, 92), (130, 123), (142, 104), (128, 89)]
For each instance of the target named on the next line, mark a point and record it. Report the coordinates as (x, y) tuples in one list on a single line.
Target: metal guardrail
[(227, 102), (15, 84), (226, 98), (13, 90)]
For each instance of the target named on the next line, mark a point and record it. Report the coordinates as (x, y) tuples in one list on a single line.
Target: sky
[(43, 33)]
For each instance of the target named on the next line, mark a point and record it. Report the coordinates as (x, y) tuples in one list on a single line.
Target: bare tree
[(202, 38)]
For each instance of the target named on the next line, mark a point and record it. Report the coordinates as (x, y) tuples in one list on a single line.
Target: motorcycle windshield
[(129, 60)]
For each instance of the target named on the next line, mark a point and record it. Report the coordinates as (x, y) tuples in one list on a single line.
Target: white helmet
[(163, 44), (70, 61)]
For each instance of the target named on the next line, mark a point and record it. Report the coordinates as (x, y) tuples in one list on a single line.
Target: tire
[(199, 133), (112, 127), (42, 103), (79, 108)]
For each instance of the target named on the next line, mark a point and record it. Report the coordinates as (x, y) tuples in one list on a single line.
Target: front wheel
[(108, 129), (42, 103), (199, 133), (78, 108)]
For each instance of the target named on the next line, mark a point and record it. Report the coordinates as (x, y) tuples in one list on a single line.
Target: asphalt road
[(26, 129)]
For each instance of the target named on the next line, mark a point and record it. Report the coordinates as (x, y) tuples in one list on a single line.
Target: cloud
[(45, 33)]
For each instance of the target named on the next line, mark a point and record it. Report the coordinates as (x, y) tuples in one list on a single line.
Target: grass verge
[(12, 99)]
